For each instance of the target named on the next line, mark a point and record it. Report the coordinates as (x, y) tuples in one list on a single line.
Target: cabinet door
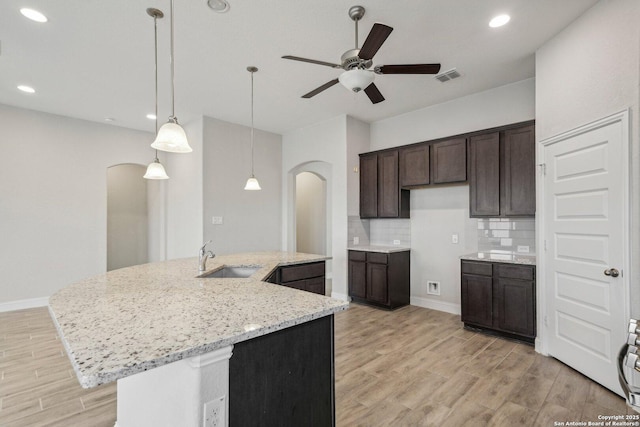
[(414, 166), (519, 172), (484, 180), (449, 161), (377, 286), (515, 306), (358, 279), (388, 185), (477, 300), (369, 186)]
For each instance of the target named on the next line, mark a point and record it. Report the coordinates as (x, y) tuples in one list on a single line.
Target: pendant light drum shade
[(172, 138)]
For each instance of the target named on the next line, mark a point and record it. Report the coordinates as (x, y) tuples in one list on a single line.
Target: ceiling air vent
[(447, 75)]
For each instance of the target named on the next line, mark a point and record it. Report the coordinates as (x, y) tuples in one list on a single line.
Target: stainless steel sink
[(233, 272)]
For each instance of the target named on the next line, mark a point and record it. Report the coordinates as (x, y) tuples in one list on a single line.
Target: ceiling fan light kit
[(356, 63), (356, 79)]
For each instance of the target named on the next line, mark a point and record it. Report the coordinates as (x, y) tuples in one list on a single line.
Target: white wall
[(53, 198), (358, 141), (184, 196), (311, 213), (589, 71), (436, 213), (251, 219), (127, 216), (323, 142)]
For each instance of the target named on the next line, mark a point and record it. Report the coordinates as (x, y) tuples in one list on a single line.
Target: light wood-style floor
[(409, 367)]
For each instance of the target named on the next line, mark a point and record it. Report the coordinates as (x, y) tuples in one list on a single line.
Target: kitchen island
[(167, 335)]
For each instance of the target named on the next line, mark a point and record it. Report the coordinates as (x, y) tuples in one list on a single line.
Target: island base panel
[(175, 394), (285, 378)]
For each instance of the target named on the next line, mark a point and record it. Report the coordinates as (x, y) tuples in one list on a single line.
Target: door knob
[(611, 272)]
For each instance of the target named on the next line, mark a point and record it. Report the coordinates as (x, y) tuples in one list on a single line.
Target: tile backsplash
[(507, 234), (358, 228), (385, 231)]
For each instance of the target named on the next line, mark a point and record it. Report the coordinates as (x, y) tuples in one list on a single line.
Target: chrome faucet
[(203, 256)]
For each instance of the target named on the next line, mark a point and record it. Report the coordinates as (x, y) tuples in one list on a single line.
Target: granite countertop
[(133, 319), (511, 258), (379, 248)]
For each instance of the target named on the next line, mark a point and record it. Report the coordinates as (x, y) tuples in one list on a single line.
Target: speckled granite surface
[(130, 320), (378, 248), (511, 258)]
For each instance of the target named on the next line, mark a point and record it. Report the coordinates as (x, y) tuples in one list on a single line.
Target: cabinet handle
[(611, 272)]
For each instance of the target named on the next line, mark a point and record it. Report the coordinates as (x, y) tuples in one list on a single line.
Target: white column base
[(175, 394)]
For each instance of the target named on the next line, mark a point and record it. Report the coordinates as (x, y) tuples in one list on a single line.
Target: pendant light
[(171, 136), (252, 182), (155, 170)]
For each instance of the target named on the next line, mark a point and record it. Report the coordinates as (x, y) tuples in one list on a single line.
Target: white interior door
[(585, 231)]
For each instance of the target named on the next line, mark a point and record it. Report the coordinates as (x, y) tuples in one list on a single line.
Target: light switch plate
[(217, 220), (454, 238), (396, 242), (523, 249)]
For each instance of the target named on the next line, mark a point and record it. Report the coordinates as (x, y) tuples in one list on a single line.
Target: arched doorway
[(311, 213), (127, 216)]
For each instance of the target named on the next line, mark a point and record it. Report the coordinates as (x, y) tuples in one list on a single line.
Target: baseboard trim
[(23, 304), (447, 307), (339, 296)]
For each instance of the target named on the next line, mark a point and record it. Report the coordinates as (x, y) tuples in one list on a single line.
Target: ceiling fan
[(357, 62)]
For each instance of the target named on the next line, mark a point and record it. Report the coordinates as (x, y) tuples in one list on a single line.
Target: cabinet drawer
[(515, 271), (315, 285), (479, 268), (303, 271), (377, 258), (357, 256)]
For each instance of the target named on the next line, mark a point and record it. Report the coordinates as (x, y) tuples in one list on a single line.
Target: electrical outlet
[(433, 287), (356, 240), (454, 238), (396, 242), (214, 413), (523, 249), (217, 220)]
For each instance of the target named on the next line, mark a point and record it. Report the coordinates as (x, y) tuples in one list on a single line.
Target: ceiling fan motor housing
[(351, 60)]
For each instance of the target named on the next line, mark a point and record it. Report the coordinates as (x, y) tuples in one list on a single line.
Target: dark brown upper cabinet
[(484, 175), (502, 173), (380, 193), (449, 160), (369, 186), (414, 165), (519, 172)]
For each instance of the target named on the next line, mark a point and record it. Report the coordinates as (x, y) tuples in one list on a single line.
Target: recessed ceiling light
[(109, 119), (499, 21), (151, 116), (34, 15), (26, 89), (220, 6)]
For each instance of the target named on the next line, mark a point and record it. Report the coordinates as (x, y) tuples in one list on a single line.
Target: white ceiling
[(94, 58)]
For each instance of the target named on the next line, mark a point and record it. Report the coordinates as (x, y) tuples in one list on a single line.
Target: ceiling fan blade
[(312, 61), (373, 93), (376, 37), (408, 69), (320, 89)]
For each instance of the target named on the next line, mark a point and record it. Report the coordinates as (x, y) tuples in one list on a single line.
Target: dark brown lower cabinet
[(499, 297), (308, 277), (380, 279), (285, 378)]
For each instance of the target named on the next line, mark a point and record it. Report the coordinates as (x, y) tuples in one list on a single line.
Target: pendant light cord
[(252, 123), (173, 112), (155, 59)]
